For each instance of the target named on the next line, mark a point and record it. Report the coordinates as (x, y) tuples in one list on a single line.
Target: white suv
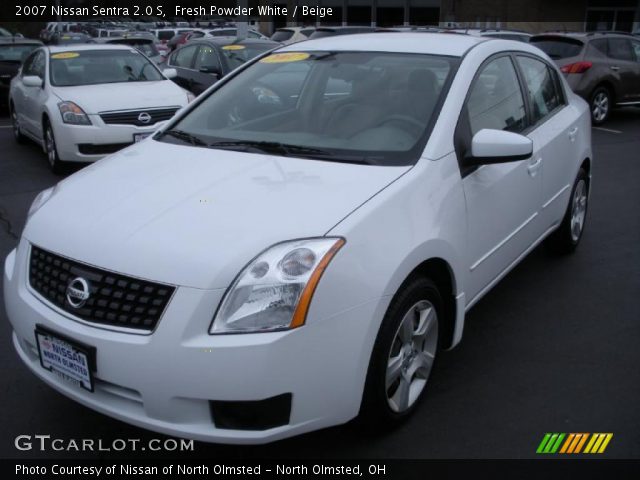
[(294, 248)]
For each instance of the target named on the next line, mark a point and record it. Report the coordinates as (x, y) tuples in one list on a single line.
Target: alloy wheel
[(600, 106), (50, 145), (411, 357), (578, 210)]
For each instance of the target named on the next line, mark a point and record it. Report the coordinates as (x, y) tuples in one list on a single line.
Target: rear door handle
[(533, 167), (615, 68)]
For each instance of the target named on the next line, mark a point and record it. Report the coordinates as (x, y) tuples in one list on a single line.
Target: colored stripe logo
[(574, 443)]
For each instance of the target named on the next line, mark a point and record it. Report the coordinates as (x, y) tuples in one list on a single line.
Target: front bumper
[(89, 143), (167, 380)]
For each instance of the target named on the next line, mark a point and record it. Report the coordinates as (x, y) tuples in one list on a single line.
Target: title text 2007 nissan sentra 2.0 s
[(295, 247)]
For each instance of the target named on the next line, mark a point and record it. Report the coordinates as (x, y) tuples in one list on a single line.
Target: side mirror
[(498, 146), (170, 73), (32, 81)]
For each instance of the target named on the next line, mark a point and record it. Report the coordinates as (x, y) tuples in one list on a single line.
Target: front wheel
[(403, 355), (51, 149), (567, 237)]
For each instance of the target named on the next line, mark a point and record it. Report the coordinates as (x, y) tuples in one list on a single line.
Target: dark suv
[(601, 67)]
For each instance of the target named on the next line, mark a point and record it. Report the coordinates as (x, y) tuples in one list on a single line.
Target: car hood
[(123, 96), (193, 216)]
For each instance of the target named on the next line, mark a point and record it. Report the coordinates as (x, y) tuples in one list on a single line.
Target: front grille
[(130, 117), (114, 299), (101, 149)]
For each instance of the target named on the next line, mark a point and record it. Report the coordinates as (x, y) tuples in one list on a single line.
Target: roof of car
[(88, 46), (233, 40), (409, 42), (19, 41)]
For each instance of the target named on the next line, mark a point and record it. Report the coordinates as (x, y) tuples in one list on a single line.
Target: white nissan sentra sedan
[(295, 247), (83, 102)]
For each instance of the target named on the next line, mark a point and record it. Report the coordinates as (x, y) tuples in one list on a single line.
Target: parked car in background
[(13, 53), (201, 63), (493, 33), (601, 67), (290, 35), (141, 42), (264, 266), (321, 32), (70, 38), (4, 33), (86, 102)]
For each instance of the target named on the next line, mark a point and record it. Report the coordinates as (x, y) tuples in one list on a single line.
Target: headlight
[(42, 198), (73, 114), (274, 291)]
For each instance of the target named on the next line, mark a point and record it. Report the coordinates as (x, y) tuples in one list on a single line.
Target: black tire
[(51, 149), (566, 239), (376, 411), (15, 124), (601, 104)]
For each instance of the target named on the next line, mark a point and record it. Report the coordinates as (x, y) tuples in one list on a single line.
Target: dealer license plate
[(66, 358)]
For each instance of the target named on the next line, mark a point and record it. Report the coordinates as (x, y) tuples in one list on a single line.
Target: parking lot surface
[(553, 348)]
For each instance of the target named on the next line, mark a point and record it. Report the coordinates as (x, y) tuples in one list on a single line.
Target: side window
[(495, 100), (27, 65), (183, 57), (542, 88), (599, 45), (207, 59), (620, 49), (636, 49), (38, 65)]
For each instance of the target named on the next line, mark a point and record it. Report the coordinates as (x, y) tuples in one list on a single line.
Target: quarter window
[(495, 100), (542, 89)]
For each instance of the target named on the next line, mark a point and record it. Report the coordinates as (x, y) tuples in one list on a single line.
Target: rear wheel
[(403, 355), (601, 104), (567, 237)]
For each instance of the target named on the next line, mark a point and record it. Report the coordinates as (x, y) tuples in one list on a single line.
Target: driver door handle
[(534, 166)]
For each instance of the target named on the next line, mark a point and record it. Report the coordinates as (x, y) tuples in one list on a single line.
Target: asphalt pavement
[(555, 347)]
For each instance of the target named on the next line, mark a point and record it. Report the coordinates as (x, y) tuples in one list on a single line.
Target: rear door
[(625, 68)]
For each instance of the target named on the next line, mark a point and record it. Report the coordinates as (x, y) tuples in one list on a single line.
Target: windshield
[(15, 53), (237, 54), (91, 67), (165, 34), (558, 48), (359, 107)]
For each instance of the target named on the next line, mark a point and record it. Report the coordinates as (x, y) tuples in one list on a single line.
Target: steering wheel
[(414, 126)]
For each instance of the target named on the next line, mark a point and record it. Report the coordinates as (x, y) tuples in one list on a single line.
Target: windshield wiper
[(286, 149), (185, 137), (270, 147)]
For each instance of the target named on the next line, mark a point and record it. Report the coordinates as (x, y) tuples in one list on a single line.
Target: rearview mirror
[(32, 81), (498, 146), (170, 73)]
